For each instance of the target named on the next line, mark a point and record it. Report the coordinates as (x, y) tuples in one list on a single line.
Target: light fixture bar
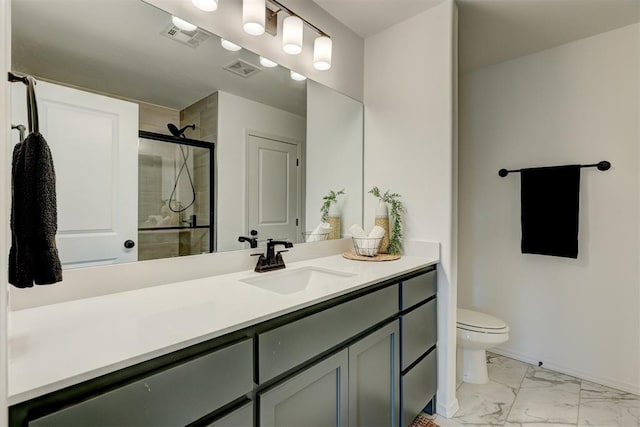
[(292, 13)]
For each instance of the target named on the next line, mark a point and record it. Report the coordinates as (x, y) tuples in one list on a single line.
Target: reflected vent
[(190, 38), (242, 68)]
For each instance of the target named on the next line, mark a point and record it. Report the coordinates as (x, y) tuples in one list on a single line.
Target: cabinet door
[(315, 397), (374, 379), (241, 417)]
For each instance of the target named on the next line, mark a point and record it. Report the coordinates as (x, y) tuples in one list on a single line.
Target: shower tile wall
[(153, 118), (171, 243), (204, 114)]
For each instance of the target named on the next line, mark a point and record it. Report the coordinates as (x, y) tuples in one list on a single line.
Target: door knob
[(129, 244)]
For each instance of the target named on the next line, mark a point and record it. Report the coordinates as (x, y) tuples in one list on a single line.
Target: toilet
[(475, 333)]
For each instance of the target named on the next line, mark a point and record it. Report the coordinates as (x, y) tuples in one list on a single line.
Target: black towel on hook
[(33, 256), (549, 210)]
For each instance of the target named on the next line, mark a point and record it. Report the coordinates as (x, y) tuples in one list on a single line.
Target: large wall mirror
[(167, 144)]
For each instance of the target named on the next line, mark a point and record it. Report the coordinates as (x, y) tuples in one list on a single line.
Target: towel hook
[(20, 129)]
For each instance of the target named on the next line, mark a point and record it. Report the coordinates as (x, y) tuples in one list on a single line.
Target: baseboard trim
[(558, 367), (448, 410)]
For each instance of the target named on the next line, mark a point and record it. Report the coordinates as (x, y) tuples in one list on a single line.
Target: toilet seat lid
[(474, 319)]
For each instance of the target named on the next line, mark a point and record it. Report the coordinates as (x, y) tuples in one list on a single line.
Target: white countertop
[(58, 345)]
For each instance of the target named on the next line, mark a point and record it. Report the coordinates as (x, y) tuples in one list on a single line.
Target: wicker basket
[(310, 236)]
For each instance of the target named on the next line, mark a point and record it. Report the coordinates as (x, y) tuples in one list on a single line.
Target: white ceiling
[(115, 47), (492, 31), (369, 17)]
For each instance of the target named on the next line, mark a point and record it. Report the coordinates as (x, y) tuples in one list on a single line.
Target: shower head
[(179, 132)]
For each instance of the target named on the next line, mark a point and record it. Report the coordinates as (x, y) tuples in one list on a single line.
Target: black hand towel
[(550, 203), (33, 256)]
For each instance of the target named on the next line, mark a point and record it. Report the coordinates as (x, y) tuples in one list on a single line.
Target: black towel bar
[(603, 166)]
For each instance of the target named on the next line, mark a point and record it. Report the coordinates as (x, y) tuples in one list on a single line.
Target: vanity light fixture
[(253, 16), (254, 20), (292, 33), (297, 76), (322, 53), (206, 5), (183, 25), (292, 37), (267, 63), (230, 45)]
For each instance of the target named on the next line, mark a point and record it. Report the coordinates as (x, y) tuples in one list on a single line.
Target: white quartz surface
[(58, 345)]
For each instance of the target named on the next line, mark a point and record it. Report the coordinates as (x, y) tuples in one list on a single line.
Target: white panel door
[(94, 143), (273, 188)]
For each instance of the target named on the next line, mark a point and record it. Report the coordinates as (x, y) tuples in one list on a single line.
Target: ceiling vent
[(190, 38), (242, 68)]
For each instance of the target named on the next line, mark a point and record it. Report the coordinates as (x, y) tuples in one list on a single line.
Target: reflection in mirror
[(182, 223), (109, 70)]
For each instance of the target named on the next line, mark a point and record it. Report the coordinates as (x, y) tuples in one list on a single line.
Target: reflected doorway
[(274, 188)]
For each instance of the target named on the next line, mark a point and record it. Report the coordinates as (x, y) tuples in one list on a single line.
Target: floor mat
[(423, 420)]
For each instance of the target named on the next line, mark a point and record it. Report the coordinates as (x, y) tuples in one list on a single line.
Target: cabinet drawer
[(176, 396), (419, 289), (419, 332), (290, 345), (419, 385)]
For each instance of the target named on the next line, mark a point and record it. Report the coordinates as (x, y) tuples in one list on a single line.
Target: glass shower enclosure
[(175, 196)]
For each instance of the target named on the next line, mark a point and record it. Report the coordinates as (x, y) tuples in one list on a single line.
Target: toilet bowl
[(475, 333)]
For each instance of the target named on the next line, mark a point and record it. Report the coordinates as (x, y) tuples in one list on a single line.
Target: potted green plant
[(331, 197), (393, 200), (331, 213)]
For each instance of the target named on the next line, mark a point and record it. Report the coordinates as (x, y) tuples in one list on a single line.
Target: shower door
[(175, 196)]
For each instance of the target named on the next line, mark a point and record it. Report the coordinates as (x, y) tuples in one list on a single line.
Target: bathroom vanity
[(357, 349)]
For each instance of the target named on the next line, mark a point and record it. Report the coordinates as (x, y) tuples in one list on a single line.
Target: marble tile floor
[(523, 395)]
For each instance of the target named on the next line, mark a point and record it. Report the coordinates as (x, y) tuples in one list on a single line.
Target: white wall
[(576, 103), (334, 154), (346, 71), (236, 116), (5, 179), (409, 143)]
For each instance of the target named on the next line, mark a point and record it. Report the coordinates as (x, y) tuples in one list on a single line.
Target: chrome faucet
[(272, 260)]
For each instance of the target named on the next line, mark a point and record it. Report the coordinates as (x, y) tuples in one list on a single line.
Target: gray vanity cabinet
[(317, 396), (364, 359), (358, 386), (418, 320), (374, 379)]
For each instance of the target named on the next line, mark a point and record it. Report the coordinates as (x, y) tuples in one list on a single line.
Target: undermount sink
[(299, 279)]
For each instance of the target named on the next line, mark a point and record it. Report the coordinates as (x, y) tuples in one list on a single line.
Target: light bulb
[(253, 16), (182, 24), (292, 35), (230, 45), (297, 76), (265, 62), (322, 53), (206, 5)]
